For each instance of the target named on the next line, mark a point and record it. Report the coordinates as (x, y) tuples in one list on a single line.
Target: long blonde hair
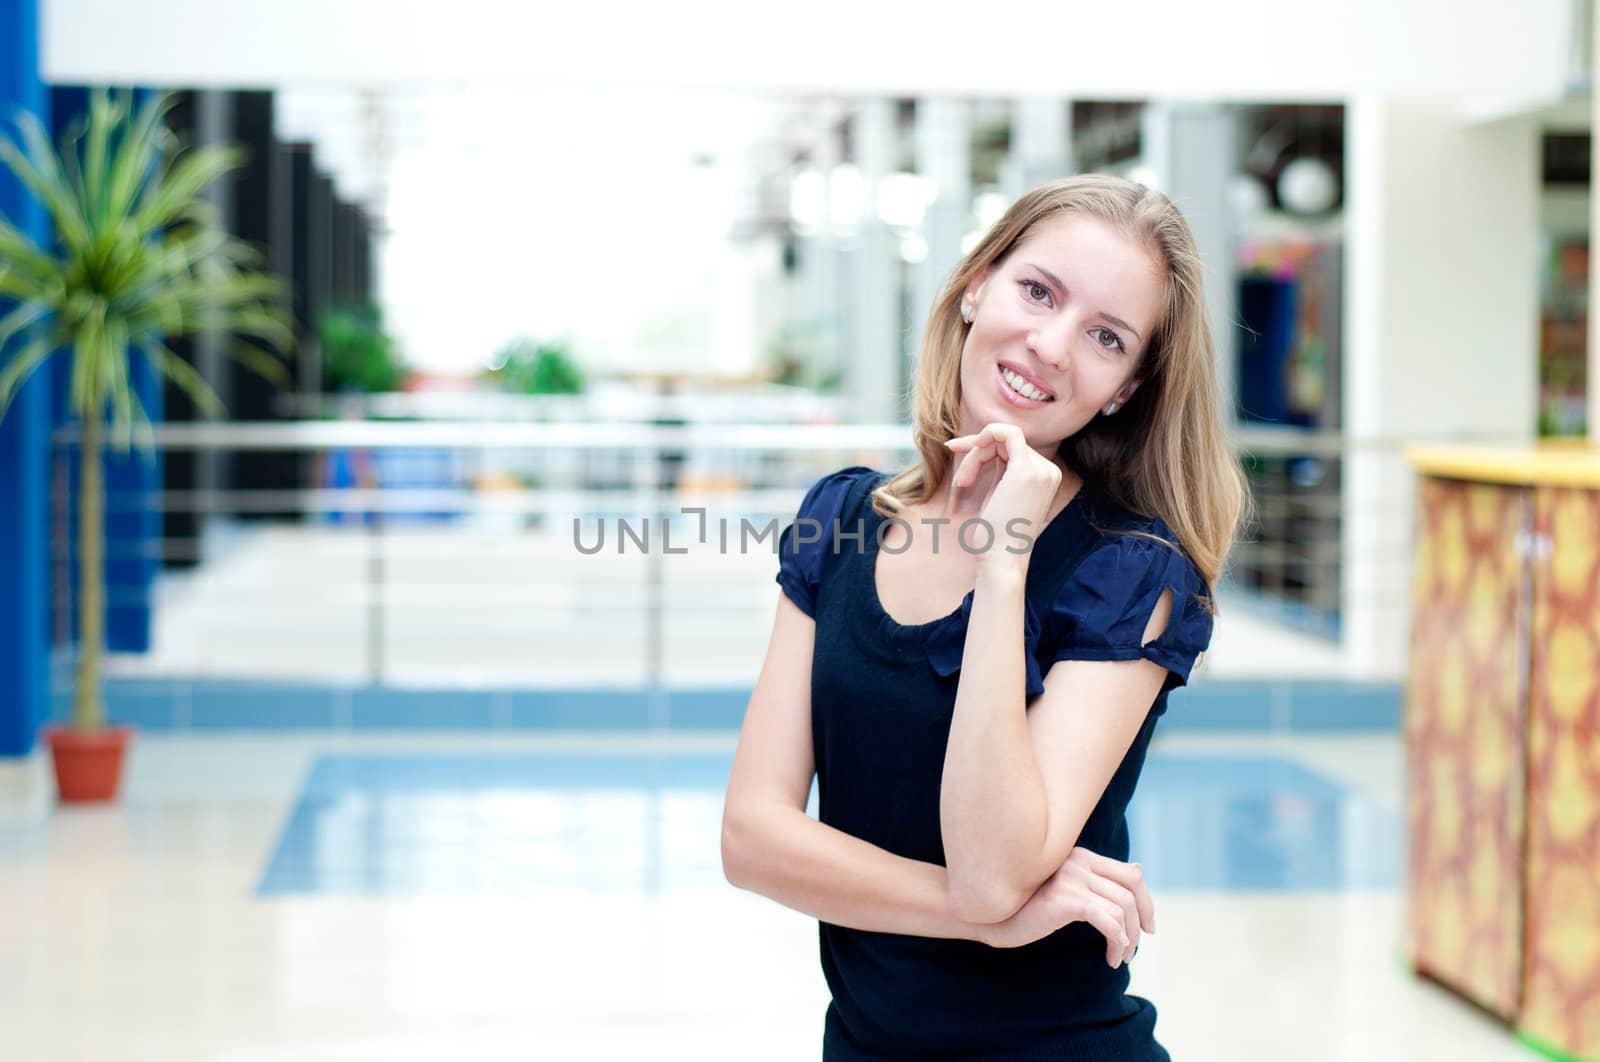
[(1165, 453)]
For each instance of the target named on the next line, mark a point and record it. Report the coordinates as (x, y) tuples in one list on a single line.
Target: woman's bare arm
[(1019, 783), (771, 846)]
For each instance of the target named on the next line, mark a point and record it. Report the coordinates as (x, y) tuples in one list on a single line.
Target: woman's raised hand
[(1089, 887), (1013, 480)]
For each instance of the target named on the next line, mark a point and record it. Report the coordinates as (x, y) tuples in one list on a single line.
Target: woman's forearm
[(993, 810), (788, 856)]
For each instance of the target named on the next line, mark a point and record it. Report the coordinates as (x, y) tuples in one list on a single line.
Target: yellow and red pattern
[(1561, 1002), (1464, 733)]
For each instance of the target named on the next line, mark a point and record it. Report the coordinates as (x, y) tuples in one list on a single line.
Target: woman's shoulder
[(1126, 544), (1120, 528), (1110, 519), (826, 495), (1102, 610), (840, 495), (803, 544)]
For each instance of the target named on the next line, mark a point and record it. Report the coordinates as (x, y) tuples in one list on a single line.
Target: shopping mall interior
[(431, 644)]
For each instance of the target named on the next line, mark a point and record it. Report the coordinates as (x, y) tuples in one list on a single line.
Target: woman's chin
[(976, 420)]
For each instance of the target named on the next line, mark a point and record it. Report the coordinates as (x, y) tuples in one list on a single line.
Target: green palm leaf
[(104, 115), (181, 373), (168, 200), (21, 258), (41, 172), (20, 318), (261, 363), (139, 149), (21, 366)]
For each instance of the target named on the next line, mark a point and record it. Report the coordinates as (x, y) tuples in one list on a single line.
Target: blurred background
[(416, 773)]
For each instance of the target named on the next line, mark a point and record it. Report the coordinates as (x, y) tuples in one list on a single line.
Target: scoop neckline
[(894, 627)]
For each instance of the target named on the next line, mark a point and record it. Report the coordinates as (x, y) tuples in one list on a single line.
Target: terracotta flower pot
[(88, 763)]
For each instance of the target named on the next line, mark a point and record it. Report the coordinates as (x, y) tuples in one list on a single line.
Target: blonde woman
[(971, 655)]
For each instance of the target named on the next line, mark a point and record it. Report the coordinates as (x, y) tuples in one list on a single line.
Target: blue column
[(24, 438), (132, 481), (133, 525)]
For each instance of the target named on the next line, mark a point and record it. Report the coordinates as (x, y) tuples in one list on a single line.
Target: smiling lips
[(1020, 390)]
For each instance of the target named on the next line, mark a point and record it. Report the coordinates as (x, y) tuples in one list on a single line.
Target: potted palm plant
[(139, 257)]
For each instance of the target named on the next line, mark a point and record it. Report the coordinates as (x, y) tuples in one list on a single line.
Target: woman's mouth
[(1017, 390)]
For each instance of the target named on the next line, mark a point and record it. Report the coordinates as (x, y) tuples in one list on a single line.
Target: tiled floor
[(383, 897)]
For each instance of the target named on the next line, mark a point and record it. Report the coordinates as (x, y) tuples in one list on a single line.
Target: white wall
[(1177, 49), (1441, 318)]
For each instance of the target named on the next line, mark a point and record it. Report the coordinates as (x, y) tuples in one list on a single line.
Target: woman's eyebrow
[(1119, 322)]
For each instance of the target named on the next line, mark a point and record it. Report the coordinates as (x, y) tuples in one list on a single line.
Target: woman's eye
[(1108, 339), (1036, 291)]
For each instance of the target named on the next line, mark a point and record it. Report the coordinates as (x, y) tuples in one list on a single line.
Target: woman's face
[(1059, 328)]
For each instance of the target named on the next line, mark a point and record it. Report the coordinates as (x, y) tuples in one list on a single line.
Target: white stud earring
[(966, 312), (1112, 408)]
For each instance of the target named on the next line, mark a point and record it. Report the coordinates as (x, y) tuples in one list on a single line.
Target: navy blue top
[(882, 699)]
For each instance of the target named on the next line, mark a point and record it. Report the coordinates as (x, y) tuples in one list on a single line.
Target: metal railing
[(431, 574)]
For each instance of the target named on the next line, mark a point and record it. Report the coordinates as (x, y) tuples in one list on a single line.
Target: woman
[(975, 754)]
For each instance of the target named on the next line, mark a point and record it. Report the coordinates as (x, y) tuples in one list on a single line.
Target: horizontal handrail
[(536, 500), (519, 435), (522, 435)]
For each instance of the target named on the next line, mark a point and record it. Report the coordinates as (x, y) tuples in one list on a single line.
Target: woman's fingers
[(1106, 917), (971, 465), (962, 464), (1075, 893), (1123, 898), (1129, 875), (1100, 893), (989, 435), (1005, 439), (1005, 436)]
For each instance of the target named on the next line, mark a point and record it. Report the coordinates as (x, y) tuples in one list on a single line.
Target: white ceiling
[(1221, 49)]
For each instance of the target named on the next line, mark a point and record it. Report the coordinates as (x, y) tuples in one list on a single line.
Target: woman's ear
[(974, 289)]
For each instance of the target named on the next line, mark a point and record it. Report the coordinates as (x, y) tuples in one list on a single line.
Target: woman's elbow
[(732, 867), (984, 900), (737, 859)]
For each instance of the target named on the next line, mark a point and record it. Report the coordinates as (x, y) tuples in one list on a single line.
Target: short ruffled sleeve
[(803, 543), (947, 645), (1103, 609)]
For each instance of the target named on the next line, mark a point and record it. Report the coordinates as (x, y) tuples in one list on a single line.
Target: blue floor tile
[(224, 705), (385, 707), (581, 709), (214, 704), (1258, 823), (148, 709), (1346, 706), (417, 824)]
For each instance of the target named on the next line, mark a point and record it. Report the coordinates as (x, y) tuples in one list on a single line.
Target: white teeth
[(1023, 387)]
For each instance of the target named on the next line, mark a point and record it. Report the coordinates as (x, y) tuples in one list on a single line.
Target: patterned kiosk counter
[(1502, 732)]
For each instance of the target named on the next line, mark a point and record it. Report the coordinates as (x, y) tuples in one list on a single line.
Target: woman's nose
[(1052, 346)]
